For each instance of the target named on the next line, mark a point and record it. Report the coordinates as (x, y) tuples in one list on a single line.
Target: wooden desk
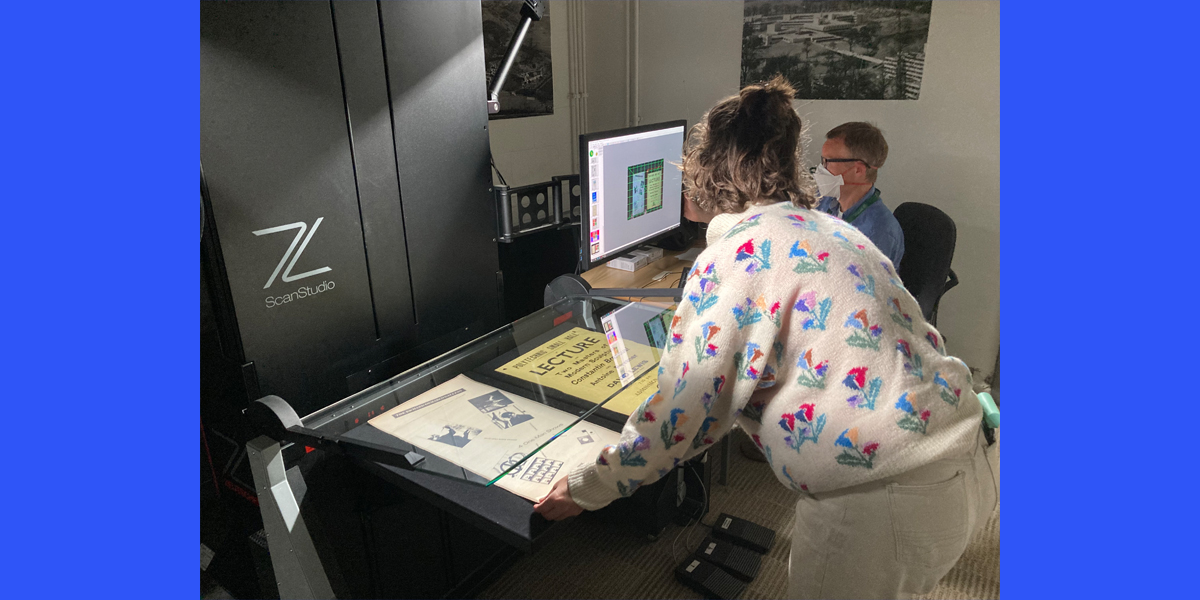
[(608, 277)]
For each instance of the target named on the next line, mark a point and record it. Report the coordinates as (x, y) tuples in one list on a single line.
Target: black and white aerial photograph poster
[(529, 89), (837, 50)]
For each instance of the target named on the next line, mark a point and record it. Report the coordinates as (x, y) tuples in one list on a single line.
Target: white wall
[(689, 57), (944, 150), (609, 57), (686, 56), (659, 60), (534, 149)]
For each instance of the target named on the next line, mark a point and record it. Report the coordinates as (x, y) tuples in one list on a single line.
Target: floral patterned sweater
[(796, 328)]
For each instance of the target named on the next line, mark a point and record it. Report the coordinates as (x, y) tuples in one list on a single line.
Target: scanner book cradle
[(489, 432)]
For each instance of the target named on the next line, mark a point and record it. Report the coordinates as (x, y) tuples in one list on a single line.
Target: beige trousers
[(894, 538)]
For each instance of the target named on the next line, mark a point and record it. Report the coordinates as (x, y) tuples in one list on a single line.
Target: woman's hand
[(558, 505)]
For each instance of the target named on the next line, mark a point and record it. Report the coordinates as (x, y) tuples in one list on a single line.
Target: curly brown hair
[(747, 150)]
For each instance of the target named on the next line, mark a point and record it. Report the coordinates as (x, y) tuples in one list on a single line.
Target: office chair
[(929, 237)]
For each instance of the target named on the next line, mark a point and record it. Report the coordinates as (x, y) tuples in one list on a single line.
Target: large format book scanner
[(743, 533)]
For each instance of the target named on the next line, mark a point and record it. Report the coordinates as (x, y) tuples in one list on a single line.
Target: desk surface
[(605, 276)]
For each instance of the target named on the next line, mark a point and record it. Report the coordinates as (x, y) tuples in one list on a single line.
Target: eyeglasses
[(825, 161)]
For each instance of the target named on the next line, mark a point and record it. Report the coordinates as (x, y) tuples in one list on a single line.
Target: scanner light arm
[(531, 11)]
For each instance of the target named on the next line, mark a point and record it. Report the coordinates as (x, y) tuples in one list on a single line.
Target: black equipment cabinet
[(378, 541), (349, 233), (344, 169)]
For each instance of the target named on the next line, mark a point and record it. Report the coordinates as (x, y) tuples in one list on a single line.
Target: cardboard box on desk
[(630, 262), (649, 252)]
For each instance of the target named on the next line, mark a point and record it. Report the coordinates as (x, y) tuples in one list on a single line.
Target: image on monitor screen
[(645, 188), (633, 185)]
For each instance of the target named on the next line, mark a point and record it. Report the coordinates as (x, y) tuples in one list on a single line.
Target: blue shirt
[(876, 222)]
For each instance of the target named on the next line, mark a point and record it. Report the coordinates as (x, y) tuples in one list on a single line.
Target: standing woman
[(796, 328)]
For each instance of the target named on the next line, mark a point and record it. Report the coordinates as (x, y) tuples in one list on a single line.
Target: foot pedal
[(708, 579), (740, 562), (743, 533)]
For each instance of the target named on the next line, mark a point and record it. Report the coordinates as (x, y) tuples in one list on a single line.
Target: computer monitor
[(637, 334), (632, 187)]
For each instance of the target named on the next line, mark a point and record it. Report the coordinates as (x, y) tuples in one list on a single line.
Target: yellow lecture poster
[(635, 394), (579, 363)]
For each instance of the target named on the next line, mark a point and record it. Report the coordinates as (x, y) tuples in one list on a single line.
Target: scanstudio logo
[(294, 254)]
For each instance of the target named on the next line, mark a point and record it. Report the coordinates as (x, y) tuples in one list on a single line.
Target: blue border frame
[(100, 225), (101, 138), (1097, 244)]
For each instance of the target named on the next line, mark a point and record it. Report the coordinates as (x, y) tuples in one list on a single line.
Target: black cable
[(692, 521), (681, 276), (498, 173), (681, 273), (704, 509), (579, 251)]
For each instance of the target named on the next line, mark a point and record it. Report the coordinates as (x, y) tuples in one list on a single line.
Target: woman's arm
[(715, 358)]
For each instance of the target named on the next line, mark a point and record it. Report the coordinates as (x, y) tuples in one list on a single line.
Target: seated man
[(850, 161)]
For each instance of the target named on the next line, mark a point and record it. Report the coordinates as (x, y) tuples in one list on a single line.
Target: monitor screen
[(637, 334), (632, 187)]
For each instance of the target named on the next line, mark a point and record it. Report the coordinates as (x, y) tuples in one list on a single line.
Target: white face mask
[(828, 184)]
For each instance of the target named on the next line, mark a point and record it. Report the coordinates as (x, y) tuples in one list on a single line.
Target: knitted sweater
[(794, 326)]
